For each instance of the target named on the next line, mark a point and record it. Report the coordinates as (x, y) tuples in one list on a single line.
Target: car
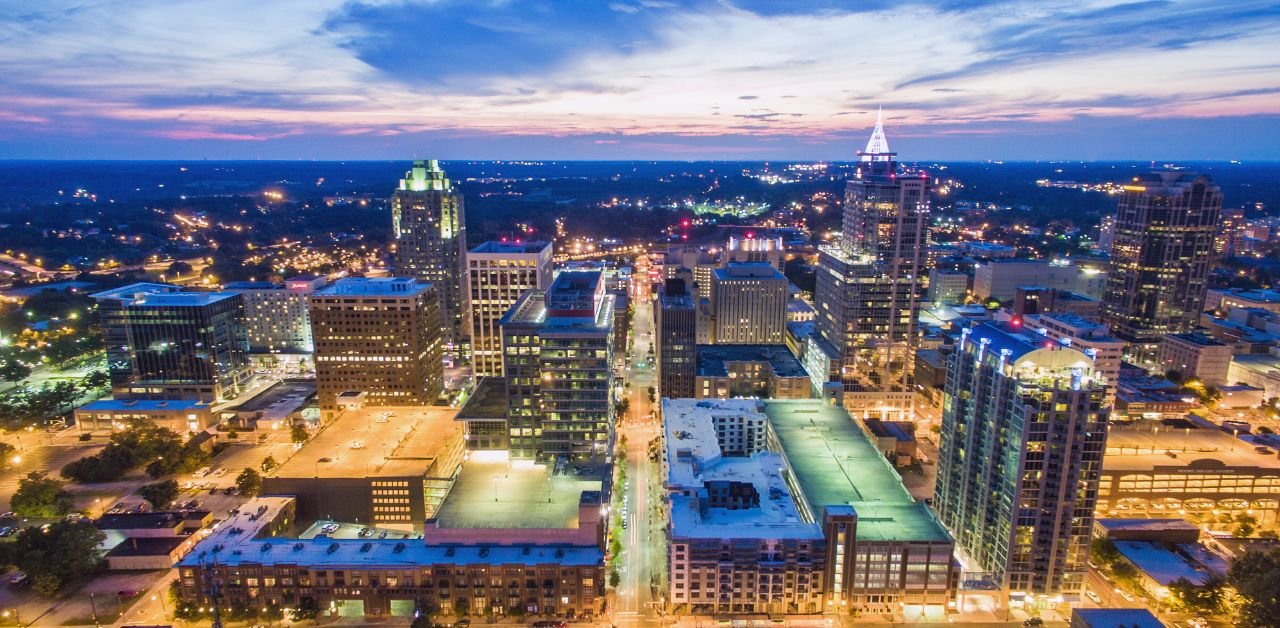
[(1034, 621), (1126, 595), (9, 515), (19, 580), (127, 593), (382, 535), (325, 460), (213, 490), (1093, 596), (227, 491), (219, 473), (6, 531)]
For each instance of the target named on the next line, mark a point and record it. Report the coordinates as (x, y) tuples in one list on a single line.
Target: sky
[(639, 79)]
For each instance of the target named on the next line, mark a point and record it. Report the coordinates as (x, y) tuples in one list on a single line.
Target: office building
[(1000, 279), (558, 362), (869, 287), (767, 371), (1042, 300), (1106, 234), (749, 304), (675, 319), (277, 315), (948, 286), (1225, 300), (1023, 432), (107, 416), (1259, 371), (1231, 231), (380, 337), (430, 230), (1165, 227), (1114, 618), (760, 524), (497, 274), (753, 248), (165, 343), (1197, 355)]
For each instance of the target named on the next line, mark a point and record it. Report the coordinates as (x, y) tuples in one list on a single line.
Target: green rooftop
[(836, 464), (505, 494)]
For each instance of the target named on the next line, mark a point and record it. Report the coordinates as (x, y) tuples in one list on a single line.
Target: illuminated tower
[(1166, 223), (869, 286), (429, 226)]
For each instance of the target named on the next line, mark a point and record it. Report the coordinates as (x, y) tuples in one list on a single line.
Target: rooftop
[(382, 441), (57, 286), (836, 464), (488, 400), (493, 491), (712, 359), (502, 246), (127, 293), (1117, 618), (148, 520), (1260, 296), (143, 405), (147, 546), (1191, 448), (285, 396), (374, 286), (1160, 563), (1152, 525), (748, 270)]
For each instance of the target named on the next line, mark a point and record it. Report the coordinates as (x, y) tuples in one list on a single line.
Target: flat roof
[(1161, 564), (1114, 617), (836, 464), (57, 286), (288, 394), (127, 293), (1117, 525), (148, 520), (493, 491), (377, 441), (712, 359), (487, 401), (374, 287), (143, 405), (1202, 448), (147, 546), (496, 246)]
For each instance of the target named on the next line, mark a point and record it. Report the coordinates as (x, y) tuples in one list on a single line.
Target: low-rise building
[(760, 524), (152, 540), (1259, 371), (1195, 355), (769, 371), (1230, 298), (181, 416), (1114, 618)]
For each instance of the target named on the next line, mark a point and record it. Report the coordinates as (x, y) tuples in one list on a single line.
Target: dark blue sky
[(650, 79)]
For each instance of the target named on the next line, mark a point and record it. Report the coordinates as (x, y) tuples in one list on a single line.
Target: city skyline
[(646, 80)]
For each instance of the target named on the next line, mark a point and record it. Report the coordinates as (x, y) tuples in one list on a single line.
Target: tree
[(299, 434), (269, 463), (1104, 551), (307, 609), (178, 268), (1245, 525), (653, 394), (41, 496), (7, 452), (159, 494), (1256, 579), (249, 482), (614, 578), (14, 371), (1206, 598), (63, 554), (96, 380)]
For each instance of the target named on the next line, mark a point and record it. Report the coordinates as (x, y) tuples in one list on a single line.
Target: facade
[(109, 415), (558, 362), (1023, 432), (1185, 471), (1196, 355), (752, 248), (676, 320), (869, 287), (948, 286), (766, 371), (1230, 299), (1106, 234), (1259, 371), (1041, 300), (759, 524), (378, 336), (1231, 230), (1000, 279), (749, 300), (1165, 227), (497, 274), (277, 315), (164, 343), (430, 229)]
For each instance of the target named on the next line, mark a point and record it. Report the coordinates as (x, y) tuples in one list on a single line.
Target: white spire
[(878, 145)]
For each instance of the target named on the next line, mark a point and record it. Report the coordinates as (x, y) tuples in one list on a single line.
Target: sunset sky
[(643, 79)]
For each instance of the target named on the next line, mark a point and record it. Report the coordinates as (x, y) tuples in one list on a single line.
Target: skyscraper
[(430, 230), (498, 273), (869, 286), (1023, 434), (164, 343), (380, 337), (749, 304), (677, 335), (1164, 235), (558, 362)]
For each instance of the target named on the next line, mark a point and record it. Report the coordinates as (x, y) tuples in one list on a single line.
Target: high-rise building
[(498, 273), (675, 319), (753, 248), (749, 304), (1023, 436), (869, 287), (558, 362), (1106, 234), (164, 343), (1165, 227), (430, 230), (277, 315), (1231, 230), (380, 337)]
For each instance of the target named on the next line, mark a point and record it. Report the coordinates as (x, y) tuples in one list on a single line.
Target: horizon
[(722, 80)]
